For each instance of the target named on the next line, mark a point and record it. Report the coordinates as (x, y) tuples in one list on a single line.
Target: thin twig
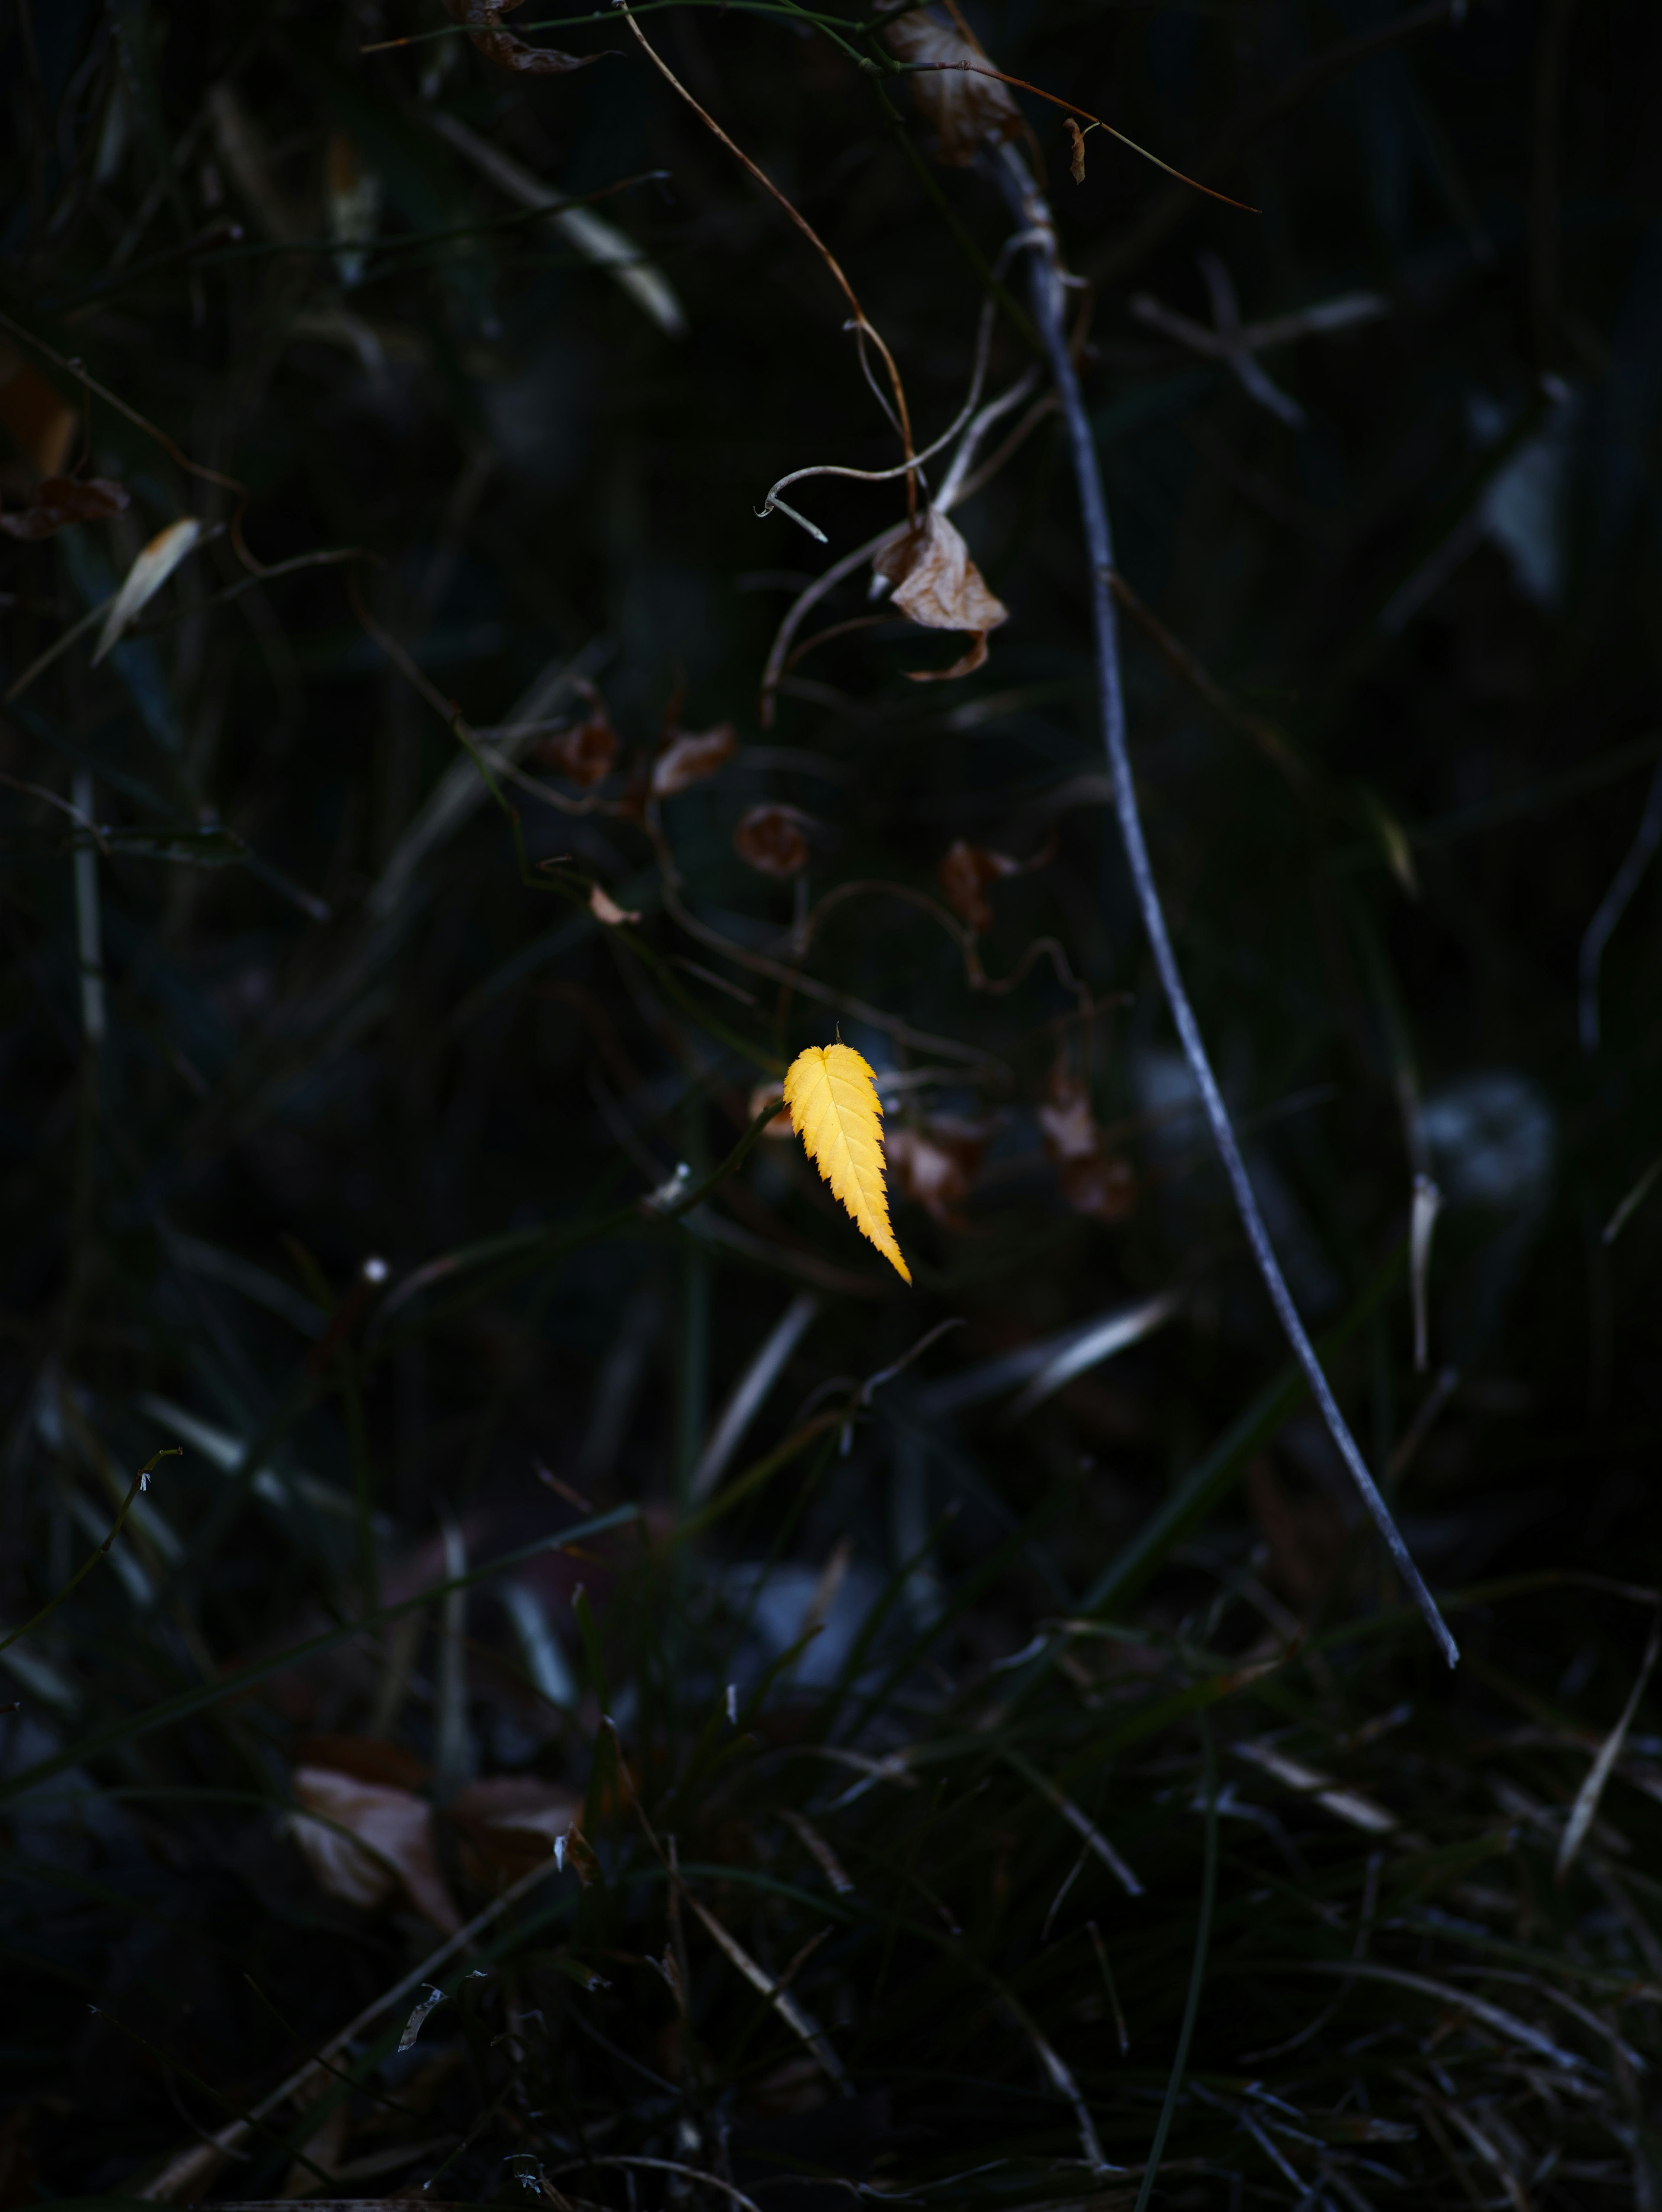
[(1071, 107), (1031, 212), (863, 326)]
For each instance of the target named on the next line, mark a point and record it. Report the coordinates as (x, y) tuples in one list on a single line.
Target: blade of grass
[(1196, 1973)]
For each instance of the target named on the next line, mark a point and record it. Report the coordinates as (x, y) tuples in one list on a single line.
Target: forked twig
[(1030, 212)]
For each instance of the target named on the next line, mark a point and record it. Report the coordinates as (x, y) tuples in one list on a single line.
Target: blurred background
[(437, 805)]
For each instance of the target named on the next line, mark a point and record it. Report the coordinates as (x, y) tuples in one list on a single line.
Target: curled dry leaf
[(607, 910), (937, 586), (772, 840), (963, 874), (688, 758), (148, 573), (1094, 1181), (937, 1165), (387, 1845), (585, 753), (484, 25), (1076, 157), (965, 107), (831, 1092), (780, 1126), (60, 500)]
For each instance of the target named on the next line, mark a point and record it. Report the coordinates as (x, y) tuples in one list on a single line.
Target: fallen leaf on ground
[(688, 757), (937, 586), (607, 910), (963, 874), (771, 839), (148, 573), (965, 107), (387, 1846), (512, 1822), (369, 1758), (831, 1092), (61, 500), (484, 27)]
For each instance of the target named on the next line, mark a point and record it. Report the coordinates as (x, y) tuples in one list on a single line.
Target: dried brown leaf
[(1071, 1133), (689, 757), (387, 1846), (484, 25), (771, 839), (368, 1758), (1094, 1181), (963, 874), (937, 1165), (61, 500), (937, 586), (1076, 157), (40, 420), (586, 753), (964, 109)]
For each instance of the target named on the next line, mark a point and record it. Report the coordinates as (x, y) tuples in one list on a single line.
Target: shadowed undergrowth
[(612, 1697)]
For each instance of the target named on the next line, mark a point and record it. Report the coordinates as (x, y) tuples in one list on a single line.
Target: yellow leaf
[(835, 1110)]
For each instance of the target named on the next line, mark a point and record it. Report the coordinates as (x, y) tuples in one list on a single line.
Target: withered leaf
[(61, 500), (484, 25), (965, 107), (512, 1823), (937, 586), (964, 873), (771, 839), (1102, 1186), (607, 910), (387, 1843), (38, 419), (937, 1165), (585, 753), (1070, 1133), (1076, 158), (1094, 1181), (687, 757), (148, 573)]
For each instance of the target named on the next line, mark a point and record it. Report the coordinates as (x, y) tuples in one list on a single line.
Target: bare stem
[(864, 327), (1031, 213)]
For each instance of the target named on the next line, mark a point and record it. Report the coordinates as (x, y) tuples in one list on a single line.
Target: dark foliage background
[(1057, 1698)]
